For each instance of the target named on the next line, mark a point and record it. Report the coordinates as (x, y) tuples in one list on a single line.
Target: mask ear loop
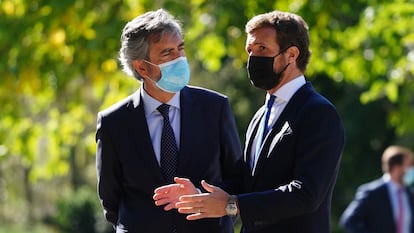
[(150, 63), (283, 50), (153, 81)]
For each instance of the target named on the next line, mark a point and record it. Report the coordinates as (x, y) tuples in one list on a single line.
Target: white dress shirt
[(283, 95)]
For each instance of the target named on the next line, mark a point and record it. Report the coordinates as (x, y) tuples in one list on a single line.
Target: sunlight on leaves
[(211, 51)]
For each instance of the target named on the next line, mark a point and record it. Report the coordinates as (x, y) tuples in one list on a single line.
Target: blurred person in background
[(384, 205), (165, 129)]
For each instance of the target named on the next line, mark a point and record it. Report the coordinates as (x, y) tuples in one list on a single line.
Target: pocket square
[(286, 130)]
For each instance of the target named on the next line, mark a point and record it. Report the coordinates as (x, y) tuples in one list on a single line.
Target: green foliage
[(375, 54), (77, 213), (59, 68)]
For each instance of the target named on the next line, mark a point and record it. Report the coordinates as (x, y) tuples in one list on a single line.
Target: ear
[(140, 67), (293, 53)]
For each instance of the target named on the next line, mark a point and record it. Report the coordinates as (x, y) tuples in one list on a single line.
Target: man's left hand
[(206, 205)]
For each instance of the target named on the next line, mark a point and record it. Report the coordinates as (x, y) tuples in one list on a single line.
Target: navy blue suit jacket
[(128, 171), (291, 189), (371, 210)]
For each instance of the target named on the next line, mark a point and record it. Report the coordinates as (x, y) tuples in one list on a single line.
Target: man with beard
[(293, 143)]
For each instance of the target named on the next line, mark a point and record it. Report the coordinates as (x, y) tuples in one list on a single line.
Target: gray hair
[(138, 32)]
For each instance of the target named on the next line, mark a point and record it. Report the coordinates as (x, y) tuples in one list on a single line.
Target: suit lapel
[(271, 139), (387, 206), (410, 192), (138, 125), (282, 126), (189, 121), (251, 133), (285, 130)]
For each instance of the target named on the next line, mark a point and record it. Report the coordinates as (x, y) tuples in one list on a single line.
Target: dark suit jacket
[(291, 190), (371, 210), (128, 171)]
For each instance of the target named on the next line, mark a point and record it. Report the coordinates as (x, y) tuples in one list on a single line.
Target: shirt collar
[(391, 184), (285, 92), (151, 104)]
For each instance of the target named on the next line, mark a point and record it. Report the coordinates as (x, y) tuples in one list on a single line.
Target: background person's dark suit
[(306, 145), (371, 210), (128, 171)]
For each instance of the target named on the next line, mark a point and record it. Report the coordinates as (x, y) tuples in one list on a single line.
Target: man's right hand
[(169, 195)]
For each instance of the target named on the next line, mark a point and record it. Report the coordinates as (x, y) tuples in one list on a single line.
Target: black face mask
[(261, 74)]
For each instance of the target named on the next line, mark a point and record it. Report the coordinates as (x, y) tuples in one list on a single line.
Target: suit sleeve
[(108, 171), (315, 153), (353, 218)]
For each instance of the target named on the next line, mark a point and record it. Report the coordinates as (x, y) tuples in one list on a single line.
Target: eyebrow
[(258, 43), (254, 41)]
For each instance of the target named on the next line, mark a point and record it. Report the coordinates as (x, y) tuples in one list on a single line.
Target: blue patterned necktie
[(169, 149), (263, 130)]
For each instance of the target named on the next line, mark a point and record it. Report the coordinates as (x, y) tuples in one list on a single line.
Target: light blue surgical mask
[(175, 75), (408, 177)]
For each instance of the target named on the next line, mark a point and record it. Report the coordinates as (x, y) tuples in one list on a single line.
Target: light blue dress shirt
[(155, 119), (393, 189)]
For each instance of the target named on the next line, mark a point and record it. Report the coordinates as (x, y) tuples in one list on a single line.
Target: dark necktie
[(269, 105), (263, 129), (169, 150)]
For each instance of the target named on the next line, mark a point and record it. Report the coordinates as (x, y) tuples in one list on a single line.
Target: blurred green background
[(59, 67)]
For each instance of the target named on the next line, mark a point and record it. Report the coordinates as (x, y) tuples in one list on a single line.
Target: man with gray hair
[(163, 130)]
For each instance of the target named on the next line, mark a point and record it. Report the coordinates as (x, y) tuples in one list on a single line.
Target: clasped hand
[(184, 196)]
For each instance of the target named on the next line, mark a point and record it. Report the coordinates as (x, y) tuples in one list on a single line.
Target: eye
[(262, 48), (167, 52)]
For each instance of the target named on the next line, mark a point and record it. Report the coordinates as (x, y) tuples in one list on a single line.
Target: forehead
[(409, 159), (160, 42), (263, 35)]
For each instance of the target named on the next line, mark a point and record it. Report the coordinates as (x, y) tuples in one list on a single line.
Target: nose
[(248, 49)]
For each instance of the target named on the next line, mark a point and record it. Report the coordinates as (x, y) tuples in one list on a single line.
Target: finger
[(190, 210), (199, 215), (210, 188), (158, 196), (194, 198), (162, 202), (185, 210), (170, 206), (186, 205), (164, 189), (190, 207), (183, 181), (196, 216)]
